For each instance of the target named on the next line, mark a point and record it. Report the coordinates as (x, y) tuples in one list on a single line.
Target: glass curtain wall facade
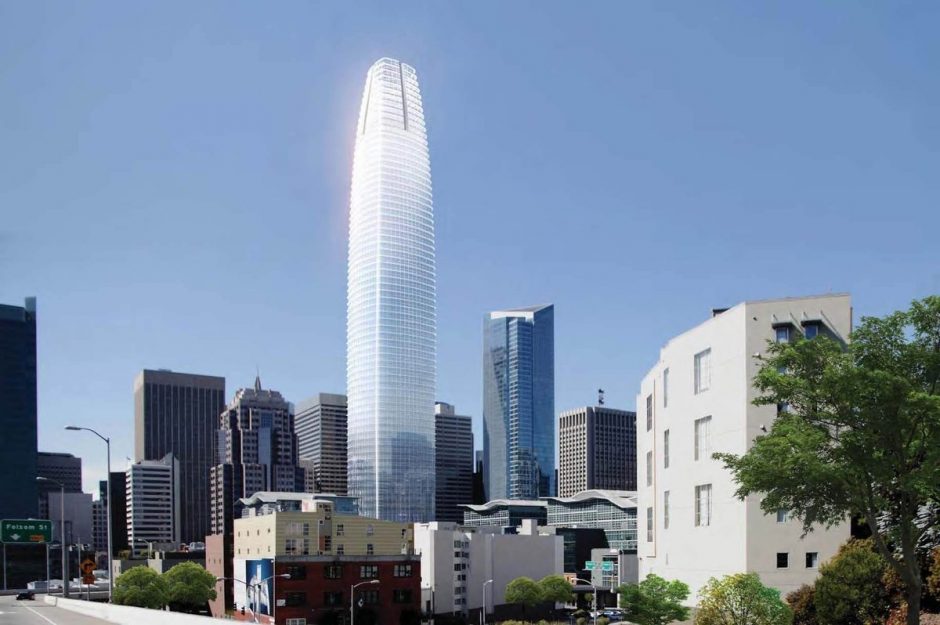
[(519, 403), (391, 310)]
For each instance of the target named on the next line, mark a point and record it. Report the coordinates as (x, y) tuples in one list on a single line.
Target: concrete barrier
[(127, 615)]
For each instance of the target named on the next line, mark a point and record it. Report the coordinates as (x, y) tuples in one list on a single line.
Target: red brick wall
[(316, 584)]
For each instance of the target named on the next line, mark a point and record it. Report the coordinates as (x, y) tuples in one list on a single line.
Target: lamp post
[(107, 442), (483, 613), (352, 599), (591, 584), (65, 557), (258, 586), (254, 614)]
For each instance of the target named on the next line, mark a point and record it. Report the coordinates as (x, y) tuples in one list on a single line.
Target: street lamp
[(258, 590), (352, 599), (591, 584), (65, 566), (107, 442), (483, 613), (254, 614)]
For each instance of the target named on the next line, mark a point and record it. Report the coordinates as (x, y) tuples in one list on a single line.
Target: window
[(402, 570), (340, 530), (812, 559), (297, 571), (783, 560), (401, 596), (811, 330), (666, 449), (370, 597), (295, 599), (703, 505), (332, 598), (369, 571), (333, 571), (327, 542), (666, 510), (649, 413), (306, 547), (649, 468), (370, 530), (340, 550), (703, 443), (783, 515), (290, 546), (703, 371), (665, 387), (296, 621), (306, 529), (649, 525), (782, 334), (370, 550)]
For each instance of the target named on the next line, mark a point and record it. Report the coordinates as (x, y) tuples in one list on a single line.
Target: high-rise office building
[(453, 449), (18, 409), (320, 424), (391, 309), (118, 500), (519, 403), (177, 413), (479, 492), (698, 400), (153, 502), (62, 468), (257, 451), (596, 450)]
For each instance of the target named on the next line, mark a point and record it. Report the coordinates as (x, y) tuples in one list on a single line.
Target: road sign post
[(590, 564)]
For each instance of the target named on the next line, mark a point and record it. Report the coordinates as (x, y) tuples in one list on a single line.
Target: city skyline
[(709, 148)]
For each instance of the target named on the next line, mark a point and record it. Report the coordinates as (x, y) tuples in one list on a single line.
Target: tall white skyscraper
[(391, 310)]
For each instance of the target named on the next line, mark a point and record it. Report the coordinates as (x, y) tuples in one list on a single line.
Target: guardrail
[(127, 615)]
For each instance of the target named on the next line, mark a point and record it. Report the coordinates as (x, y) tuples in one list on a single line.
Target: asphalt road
[(13, 612)]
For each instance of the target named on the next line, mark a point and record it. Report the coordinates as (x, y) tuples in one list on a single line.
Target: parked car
[(29, 595)]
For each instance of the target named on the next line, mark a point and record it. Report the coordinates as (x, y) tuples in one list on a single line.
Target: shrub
[(803, 603), (654, 601), (189, 587), (850, 589), (741, 599)]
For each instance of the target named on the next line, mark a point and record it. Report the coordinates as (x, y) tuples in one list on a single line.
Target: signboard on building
[(25, 531)]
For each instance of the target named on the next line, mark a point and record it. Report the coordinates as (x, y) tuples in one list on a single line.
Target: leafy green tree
[(556, 588), (850, 588), (189, 587), (523, 590), (861, 434), (654, 601), (741, 599), (142, 587), (803, 603)]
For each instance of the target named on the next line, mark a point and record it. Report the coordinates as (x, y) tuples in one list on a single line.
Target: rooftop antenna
[(600, 397)]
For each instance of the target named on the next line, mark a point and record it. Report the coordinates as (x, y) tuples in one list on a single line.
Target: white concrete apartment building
[(697, 400), (457, 560)]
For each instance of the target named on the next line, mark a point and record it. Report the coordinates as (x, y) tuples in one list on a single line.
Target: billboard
[(258, 597)]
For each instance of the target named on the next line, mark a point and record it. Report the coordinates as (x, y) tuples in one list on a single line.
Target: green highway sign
[(590, 564), (25, 531), (608, 566)]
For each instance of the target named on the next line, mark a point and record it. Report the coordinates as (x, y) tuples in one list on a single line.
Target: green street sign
[(608, 566), (25, 531), (590, 564)]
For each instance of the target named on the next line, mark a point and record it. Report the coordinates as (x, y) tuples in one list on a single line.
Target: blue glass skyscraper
[(390, 319), (519, 403)]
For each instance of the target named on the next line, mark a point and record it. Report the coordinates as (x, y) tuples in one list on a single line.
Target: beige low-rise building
[(317, 530)]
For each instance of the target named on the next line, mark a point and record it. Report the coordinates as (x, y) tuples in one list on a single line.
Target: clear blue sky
[(174, 180)]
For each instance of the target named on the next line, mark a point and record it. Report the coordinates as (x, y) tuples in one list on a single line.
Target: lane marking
[(42, 616)]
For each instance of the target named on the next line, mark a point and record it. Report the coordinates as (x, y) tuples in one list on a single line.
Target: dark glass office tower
[(177, 413), (18, 410), (519, 403), (453, 461)]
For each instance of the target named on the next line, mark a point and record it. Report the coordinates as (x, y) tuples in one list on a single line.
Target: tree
[(556, 588), (142, 587), (189, 587), (860, 435), (850, 588), (654, 601), (741, 599), (803, 603), (523, 590)]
